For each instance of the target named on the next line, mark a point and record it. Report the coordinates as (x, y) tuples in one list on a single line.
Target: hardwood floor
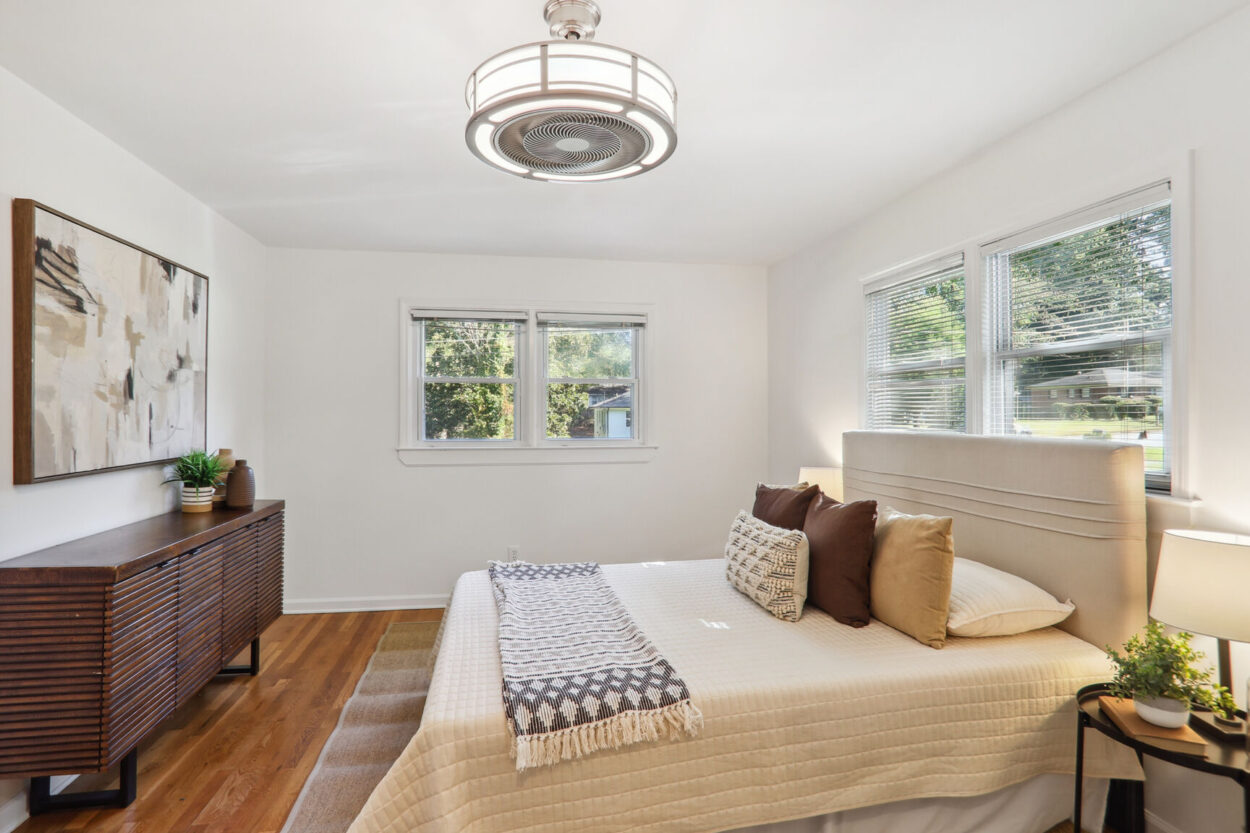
[(235, 757)]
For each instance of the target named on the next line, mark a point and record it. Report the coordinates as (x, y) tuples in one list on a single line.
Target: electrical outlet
[(514, 552)]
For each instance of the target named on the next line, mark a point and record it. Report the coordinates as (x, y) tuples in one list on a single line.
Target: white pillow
[(768, 564), (989, 602)]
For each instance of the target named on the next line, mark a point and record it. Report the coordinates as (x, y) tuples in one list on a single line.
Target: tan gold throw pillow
[(910, 583)]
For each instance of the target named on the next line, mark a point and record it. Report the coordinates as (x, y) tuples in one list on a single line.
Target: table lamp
[(1200, 586), (828, 478)]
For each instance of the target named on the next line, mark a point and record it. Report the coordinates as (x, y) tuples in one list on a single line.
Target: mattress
[(800, 719)]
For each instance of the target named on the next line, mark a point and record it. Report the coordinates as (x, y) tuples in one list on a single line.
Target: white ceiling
[(331, 124)]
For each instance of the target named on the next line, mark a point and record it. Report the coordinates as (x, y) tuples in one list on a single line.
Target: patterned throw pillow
[(769, 565)]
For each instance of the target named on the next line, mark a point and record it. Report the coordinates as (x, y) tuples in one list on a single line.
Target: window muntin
[(916, 351), (590, 380), (468, 381), (1088, 308)]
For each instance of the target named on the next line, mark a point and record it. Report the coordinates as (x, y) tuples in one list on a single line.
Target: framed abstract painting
[(110, 351)]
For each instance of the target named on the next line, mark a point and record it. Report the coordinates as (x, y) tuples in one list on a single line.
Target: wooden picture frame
[(88, 305)]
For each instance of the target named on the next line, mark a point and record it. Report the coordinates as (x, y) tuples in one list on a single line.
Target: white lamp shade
[(827, 478), (1201, 583)]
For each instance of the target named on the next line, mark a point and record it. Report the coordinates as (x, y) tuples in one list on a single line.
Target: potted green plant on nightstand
[(1157, 672), (199, 473)]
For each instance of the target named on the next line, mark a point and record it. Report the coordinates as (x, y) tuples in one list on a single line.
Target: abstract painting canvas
[(110, 350)]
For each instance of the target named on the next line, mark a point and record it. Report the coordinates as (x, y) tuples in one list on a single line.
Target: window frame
[(531, 445), (1083, 194)]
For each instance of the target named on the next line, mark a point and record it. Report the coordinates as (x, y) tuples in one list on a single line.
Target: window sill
[(526, 455)]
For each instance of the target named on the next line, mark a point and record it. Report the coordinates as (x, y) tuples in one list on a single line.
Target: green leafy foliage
[(590, 353), (1158, 665), (198, 470)]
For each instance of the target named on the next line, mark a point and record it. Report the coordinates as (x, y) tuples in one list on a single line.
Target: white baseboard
[(13, 812), (352, 604), (1154, 824)]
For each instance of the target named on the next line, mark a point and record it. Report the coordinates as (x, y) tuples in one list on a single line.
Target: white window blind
[(916, 347), (1079, 317)]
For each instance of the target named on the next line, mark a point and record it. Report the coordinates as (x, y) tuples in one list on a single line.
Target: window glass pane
[(602, 412), (469, 411), (590, 352), (916, 351), (1116, 278), (930, 400), (470, 348), (1125, 400)]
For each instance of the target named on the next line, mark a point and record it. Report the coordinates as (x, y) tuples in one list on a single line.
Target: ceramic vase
[(1167, 712), (226, 456), (241, 486), (197, 499)]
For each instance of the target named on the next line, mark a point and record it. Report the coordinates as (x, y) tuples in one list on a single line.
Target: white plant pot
[(1162, 711), (197, 500)]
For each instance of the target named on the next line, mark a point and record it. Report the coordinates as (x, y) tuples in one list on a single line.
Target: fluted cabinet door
[(51, 649), (238, 591), (269, 569), (199, 618), (141, 657)]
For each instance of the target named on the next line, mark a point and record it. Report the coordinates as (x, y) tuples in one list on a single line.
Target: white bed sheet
[(801, 719)]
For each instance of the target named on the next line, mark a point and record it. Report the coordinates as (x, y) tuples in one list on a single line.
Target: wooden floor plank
[(235, 757)]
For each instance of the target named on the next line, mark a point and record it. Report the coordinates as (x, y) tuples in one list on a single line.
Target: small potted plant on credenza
[(199, 473), (1158, 673)]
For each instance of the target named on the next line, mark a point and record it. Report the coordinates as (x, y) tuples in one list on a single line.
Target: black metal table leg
[(42, 800), (251, 669), (1080, 770)]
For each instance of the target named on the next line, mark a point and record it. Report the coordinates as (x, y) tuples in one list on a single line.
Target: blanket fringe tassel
[(681, 719)]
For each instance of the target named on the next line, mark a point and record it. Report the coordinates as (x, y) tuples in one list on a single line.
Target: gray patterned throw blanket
[(578, 673)]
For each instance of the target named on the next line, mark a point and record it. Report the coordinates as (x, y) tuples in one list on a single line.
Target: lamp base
[(1218, 728)]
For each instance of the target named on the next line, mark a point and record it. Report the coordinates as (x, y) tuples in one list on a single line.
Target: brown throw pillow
[(910, 580), (840, 538), (783, 506)]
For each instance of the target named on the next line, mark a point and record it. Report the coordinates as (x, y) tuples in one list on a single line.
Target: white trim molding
[(544, 455), (356, 604)]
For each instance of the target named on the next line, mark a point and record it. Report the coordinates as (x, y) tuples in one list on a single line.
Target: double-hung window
[(1072, 336), (1079, 322), (528, 378), (916, 348)]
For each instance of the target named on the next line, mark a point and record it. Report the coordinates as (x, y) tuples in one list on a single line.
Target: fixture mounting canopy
[(570, 110)]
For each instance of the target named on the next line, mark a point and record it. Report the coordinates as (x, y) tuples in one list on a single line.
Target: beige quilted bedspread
[(800, 719)]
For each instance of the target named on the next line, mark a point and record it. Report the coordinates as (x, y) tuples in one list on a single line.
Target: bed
[(839, 728)]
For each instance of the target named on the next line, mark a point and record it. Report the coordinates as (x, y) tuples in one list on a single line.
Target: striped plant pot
[(197, 499)]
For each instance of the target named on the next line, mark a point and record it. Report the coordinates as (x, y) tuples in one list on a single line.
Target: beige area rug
[(375, 726)]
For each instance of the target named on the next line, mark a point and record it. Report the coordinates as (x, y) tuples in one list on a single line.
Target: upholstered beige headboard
[(1068, 515)]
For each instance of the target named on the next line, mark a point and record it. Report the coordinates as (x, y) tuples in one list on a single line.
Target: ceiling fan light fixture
[(571, 110)]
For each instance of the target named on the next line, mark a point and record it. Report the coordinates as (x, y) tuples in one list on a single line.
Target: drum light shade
[(571, 110), (1201, 583)]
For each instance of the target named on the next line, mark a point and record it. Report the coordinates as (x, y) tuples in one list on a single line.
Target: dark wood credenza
[(103, 637)]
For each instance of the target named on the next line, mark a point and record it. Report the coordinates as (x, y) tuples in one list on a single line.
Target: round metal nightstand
[(1228, 758)]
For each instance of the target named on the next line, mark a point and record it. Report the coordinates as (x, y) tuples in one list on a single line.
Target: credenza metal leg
[(251, 669), (42, 800)]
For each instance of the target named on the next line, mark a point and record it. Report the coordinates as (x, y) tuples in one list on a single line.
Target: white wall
[(361, 525), (1192, 97), (49, 155)]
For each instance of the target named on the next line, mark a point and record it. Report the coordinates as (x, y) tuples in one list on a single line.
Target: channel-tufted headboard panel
[(1068, 515)]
